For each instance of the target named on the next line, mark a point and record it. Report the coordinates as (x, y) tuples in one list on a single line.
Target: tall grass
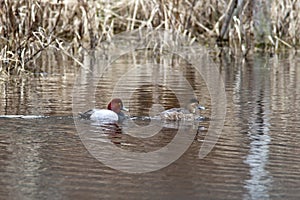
[(28, 27)]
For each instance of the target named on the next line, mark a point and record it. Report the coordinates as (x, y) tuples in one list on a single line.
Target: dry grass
[(28, 27)]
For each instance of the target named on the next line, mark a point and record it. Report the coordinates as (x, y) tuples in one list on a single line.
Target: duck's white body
[(104, 115), (111, 114)]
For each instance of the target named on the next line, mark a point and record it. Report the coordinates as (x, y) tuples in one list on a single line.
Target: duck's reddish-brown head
[(116, 105)]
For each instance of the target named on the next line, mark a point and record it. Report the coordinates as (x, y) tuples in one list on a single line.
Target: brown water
[(256, 157)]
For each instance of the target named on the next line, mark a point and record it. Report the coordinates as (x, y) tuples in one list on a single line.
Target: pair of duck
[(114, 113)]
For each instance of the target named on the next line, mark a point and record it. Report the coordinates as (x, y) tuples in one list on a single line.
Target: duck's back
[(176, 114)]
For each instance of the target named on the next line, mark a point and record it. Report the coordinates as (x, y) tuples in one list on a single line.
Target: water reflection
[(258, 112), (26, 162), (43, 92), (256, 157)]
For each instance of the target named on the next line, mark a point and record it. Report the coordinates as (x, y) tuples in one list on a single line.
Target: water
[(256, 157)]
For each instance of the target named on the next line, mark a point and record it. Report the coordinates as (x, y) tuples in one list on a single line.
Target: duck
[(190, 112), (113, 113)]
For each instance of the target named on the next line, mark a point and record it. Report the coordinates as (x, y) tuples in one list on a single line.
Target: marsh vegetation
[(28, 27)]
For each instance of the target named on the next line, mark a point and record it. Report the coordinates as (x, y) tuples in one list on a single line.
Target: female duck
[(189, 113), (113, 112)]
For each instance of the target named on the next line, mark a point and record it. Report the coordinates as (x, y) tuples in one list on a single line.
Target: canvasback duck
[(189, 113), (113, 113)]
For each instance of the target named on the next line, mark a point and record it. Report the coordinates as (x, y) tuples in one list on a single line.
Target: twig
[(224, 31)]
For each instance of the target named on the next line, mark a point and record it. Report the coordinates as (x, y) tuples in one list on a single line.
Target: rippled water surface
[(257, 155)]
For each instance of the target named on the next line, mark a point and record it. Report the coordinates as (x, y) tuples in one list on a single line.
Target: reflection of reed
[(46, 92), (153, 78), (285, 83), (142, 99), (252, 94), (264, 111)]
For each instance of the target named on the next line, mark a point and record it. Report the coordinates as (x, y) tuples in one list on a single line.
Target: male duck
[(113, 113), (188, 113)]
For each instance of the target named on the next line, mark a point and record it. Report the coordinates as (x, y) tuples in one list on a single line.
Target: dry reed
[(27, 27)]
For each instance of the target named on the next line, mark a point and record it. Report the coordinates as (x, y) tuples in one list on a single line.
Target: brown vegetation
[(28, 27)]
